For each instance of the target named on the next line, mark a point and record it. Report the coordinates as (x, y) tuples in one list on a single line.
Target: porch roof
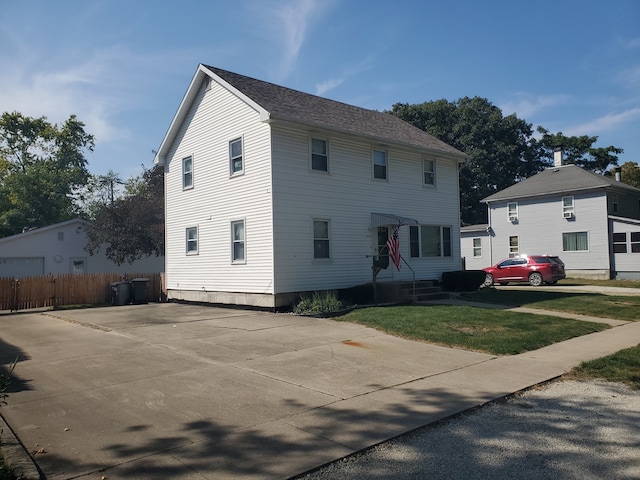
[(389, 219)]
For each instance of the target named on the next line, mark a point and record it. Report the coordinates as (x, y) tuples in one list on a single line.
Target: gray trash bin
[(139, 288), (120, 293)]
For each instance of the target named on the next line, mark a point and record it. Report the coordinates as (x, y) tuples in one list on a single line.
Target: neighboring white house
[(590, 221), (271, 192), (475, 246), (59, 249)]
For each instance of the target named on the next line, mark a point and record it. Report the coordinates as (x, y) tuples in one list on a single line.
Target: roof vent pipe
[(618, 174), (558, 161)]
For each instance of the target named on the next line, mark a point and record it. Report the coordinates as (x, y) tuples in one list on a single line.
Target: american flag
[(393, 245)]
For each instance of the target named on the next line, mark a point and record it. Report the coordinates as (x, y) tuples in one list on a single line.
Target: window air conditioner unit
[(513, 218), (567, 214)]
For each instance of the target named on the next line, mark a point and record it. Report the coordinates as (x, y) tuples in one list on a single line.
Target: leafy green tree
[(42, 168), (576, 150), (630, 172), (499, 148), (132, 226)]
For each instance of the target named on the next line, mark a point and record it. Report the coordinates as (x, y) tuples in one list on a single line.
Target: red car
[(532, 269)]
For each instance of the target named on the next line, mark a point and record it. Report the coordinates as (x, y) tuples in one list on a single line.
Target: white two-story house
[(590, 221), (271, 192)]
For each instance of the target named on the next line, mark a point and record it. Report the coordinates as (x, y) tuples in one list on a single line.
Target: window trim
[(634, 242), (243, 260), (232, 172), (196, 251), (327, 155), (184, 173), (618, 246), (433, 172), (314, 239), (615, 202), (373, 164)]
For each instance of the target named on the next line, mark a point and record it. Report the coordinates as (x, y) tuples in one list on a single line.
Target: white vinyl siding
[(348, 197), (217, 117)]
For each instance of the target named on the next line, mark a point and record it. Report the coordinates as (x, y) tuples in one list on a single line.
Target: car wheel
[(488, 280), (535, 279)]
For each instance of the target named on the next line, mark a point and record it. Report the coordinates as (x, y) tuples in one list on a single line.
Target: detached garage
[(21, 266)]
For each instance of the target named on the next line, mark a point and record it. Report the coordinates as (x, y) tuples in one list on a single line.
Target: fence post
[(15, 285)]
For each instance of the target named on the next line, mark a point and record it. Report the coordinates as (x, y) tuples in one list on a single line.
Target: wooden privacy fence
[(71, 289)]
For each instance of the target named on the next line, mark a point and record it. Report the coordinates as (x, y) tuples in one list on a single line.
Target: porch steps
[(425, 290)]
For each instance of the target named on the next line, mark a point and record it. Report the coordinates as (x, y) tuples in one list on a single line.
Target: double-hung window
[(512, 211), (192, 241), (567, 207), (236, 159), (380, 164), (429, 241), (614, 202), (429, 172), (514, 246), (620, 242), (575, 242), (187, 172), (635, 242), (319, 155), (477, 247), (321, 247), (238, 241)]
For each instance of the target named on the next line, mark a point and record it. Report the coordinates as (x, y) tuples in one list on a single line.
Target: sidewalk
[(186, 392)]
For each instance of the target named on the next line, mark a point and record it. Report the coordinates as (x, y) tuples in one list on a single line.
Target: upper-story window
[(236, 159), (238, 241), (319, 155), (512, 211), (187, 172), (429, 172), (614, 202), (380, 164), (567, 207)]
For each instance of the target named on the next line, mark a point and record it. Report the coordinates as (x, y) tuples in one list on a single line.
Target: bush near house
[(463, 280)]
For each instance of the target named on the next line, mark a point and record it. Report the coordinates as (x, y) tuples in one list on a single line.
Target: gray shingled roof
[(557, 180), (291, 105)]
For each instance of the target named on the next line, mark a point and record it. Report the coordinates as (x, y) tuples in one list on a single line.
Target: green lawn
[(601, 283), (487, 330), (623, 366), (593, 304)]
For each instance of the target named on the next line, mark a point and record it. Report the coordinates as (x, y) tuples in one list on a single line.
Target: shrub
[(463, 280), (317, 303)]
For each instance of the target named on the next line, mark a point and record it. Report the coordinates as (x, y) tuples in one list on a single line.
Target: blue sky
[(122, 66)]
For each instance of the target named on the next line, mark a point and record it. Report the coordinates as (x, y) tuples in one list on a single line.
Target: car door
[(520, 270)]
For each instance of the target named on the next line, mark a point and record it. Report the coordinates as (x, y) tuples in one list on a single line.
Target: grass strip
[(485, 330), (592, 304), (622, 366)]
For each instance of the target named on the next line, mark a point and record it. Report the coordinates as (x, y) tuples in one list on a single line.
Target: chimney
[(558, 161), (618, 171)]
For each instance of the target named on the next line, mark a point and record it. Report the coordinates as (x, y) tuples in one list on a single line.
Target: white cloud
[(605, 123), (525, 105), (324, 87)]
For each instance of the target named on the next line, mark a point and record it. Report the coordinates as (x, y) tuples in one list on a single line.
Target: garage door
[(18, 267)]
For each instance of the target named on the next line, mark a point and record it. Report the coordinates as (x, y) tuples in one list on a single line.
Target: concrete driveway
[(192, 392)]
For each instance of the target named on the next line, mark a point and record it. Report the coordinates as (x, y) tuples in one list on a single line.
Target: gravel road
[(566, 429)]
